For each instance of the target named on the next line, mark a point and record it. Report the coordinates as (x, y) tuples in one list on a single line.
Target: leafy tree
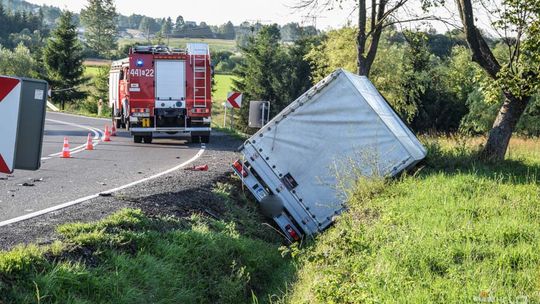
[(227, 31), (63, 59), (99, 19), (134, 21), (336, 51), (290, 31), (99, 86), (258, 76), (179, 25), (167, 26), (14, 23), (373, 20), (517, 76), (271, 71), (18, 62)]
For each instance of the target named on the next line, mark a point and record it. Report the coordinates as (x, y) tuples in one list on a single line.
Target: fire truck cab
[(158, 92)]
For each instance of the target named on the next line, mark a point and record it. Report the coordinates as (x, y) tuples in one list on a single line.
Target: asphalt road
[(110, 165)]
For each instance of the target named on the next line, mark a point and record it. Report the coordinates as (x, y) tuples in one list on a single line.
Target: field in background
[(215, 44), (223, 85), (91, 71)]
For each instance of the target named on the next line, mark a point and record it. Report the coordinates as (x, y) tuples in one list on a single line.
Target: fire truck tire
[(147, 139), (137, 139), (118, 123)]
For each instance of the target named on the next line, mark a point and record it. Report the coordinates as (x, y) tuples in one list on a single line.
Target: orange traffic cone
[(113, 131), (107, 136), (66, 153), (89, 143)]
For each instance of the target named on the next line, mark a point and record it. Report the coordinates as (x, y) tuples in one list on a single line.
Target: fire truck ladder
[(199, 75)]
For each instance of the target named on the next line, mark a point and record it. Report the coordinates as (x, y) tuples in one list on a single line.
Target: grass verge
[(132, 258), (458, 231)]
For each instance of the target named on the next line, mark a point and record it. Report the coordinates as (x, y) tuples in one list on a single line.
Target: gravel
[(180, 193)]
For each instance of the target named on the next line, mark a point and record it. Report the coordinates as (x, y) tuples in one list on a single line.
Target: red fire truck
[(159, 92)]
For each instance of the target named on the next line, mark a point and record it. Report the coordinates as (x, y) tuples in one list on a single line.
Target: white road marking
[(97, 135), (87, 198), (81, 116)]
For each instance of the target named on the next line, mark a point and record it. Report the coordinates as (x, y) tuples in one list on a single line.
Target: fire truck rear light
[(240, 168), (200, 111), (292, 233), (140, 112)]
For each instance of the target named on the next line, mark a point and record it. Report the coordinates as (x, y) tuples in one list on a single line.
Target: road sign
[(234, 100), (10, 93)]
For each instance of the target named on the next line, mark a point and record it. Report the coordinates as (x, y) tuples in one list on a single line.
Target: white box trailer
[(291, 165)]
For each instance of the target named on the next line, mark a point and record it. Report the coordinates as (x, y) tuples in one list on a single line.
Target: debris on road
[(26, 185), (198, 168)]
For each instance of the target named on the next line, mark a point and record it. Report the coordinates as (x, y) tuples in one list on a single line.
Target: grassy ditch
[(133, 258), (457, 231)]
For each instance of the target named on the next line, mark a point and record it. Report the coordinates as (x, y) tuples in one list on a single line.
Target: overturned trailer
[(292, 164)]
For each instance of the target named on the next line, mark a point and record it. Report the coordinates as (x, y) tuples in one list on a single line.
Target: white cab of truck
[(292, 165)]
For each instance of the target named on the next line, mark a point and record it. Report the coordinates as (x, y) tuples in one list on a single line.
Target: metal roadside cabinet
[(31, 124)]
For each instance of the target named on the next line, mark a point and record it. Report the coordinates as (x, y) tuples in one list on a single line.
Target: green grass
[(223, 85), (457, 231), (132, 258), (91, 71), (215, 44)]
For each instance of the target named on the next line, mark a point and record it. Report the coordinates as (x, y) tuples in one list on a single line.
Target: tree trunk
[(361, 39), (363, 69), (505, 123)]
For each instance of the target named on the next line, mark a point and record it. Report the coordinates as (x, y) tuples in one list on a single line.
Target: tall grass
[(131, 258), (459, 231)]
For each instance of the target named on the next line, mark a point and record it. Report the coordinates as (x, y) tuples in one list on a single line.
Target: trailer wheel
[(137, 139), (147, 139)]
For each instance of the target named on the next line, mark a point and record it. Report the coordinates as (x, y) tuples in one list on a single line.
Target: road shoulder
[(179, 193)]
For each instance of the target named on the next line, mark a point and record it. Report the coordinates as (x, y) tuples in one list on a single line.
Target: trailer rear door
[(170, 80)]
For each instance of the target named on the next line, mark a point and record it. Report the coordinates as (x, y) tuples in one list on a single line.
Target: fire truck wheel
[(118, 123), (137, 139), (147, 139)]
